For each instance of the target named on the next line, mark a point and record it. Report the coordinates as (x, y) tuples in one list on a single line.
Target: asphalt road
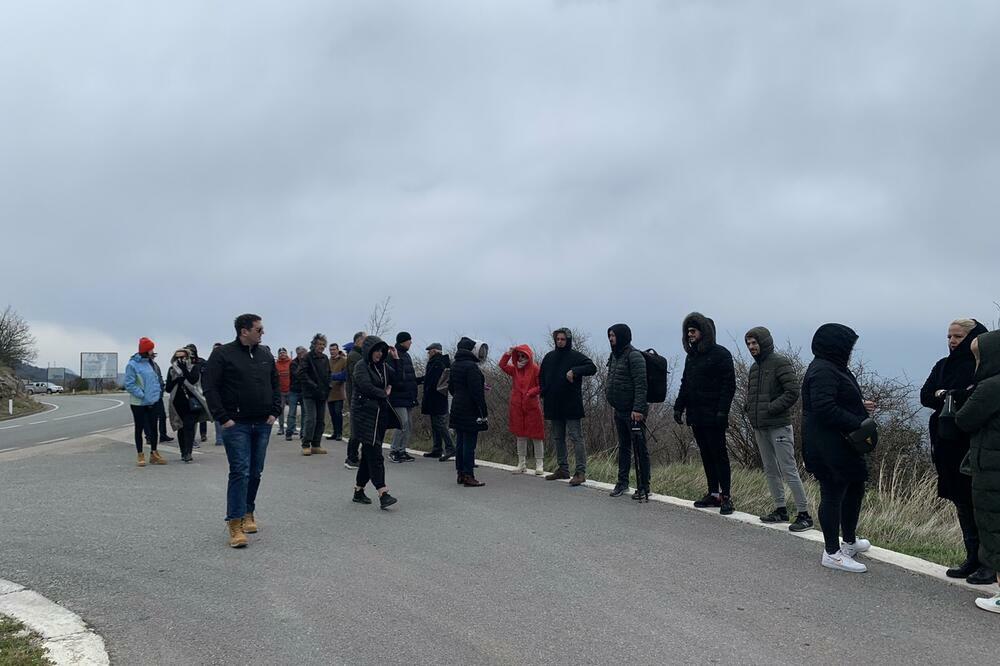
[(521, 571), (66, 416)]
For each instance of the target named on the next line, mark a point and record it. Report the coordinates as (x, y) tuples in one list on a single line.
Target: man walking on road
[(435, 403), (403, 398), (242, 390), (561, 382), (354, 355), (706, 394), (335, 401), (314, 377), (626, 393), (772, 390)]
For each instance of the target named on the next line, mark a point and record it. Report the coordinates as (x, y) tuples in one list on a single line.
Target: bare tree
[(380, 320), (17, 345)]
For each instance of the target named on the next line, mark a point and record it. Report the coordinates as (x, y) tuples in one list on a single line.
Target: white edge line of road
[(29, 416), (907, 562), (118, 404), (65, 636)]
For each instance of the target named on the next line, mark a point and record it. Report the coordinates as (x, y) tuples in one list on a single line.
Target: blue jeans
[(465, 451), (246, 447), (294, 400), (218, 433)]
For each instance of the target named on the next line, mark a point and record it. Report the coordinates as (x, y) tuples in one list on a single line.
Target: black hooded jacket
[(709, 381), (434, 402), (467, 385), (563, 400), (626, 387), (370, 408), (404, 392), (832, 407)]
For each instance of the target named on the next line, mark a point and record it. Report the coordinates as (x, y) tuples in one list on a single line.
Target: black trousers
[(185, 436), (203, 427), (970, 531), (714, 457), (372, 467), (161, 418), (629, 439), (144, 417), (336, 408), (839, 510)]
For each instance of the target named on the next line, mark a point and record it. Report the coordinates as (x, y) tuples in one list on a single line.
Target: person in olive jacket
[(706, 394), (832, 407), (314, 377), (469, 413), (561, 383), (434, 404), (772, 390), (980, 417), (626, 393), (372, 415), (954, 374)]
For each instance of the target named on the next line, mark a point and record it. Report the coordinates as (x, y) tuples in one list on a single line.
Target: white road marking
[(51, 441), (53, 405), (37, 422), (118, 403), (9, 448), (9, 427)]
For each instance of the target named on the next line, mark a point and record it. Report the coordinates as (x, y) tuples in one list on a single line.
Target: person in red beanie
[(143, 385)]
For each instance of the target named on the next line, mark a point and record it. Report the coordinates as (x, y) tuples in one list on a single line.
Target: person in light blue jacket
[(143, 385)]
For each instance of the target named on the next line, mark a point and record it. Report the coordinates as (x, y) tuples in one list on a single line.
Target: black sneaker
[(619, 490), (164, 438), (361, 498), (385, 500), (726, 507), (965, 569), (803, 522), (641, 495), (406, 457), (432, 454), (330, 437), (779, 515), (446, 456), (983, 576), (708, 501), (351, 464), (288, 438), (395, 457)]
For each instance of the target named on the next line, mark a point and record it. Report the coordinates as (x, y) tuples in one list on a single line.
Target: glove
[(722, 419), (679, 418)]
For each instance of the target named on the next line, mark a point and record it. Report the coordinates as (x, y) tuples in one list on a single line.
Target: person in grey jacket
[(772, 391), (626, 393)]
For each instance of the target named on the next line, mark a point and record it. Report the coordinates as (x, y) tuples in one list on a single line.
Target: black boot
[(971, 563), (641, 495), (385, 500), (983, 576), (361, 498)]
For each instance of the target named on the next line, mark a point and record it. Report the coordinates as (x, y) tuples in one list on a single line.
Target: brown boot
[(557, 475), (156, 459), (249, 524), (578, 479), (236, 537), (473, 482), (306, 451), (142, 460), (318, 450)]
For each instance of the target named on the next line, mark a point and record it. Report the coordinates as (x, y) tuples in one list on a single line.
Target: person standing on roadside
[(561, 385), (772, 391), (158, 409), (525, 409), (217, 424), (469, 413), (185, 401), (335, 401), (284, 365), (143, 387), (403, 398), (242, 390), (435, 403), (295, 401), (372, 416), (706, 394), (626, 393), (314, 377), (354, 355), (204, 417)]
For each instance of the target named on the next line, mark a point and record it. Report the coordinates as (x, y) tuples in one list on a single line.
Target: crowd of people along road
[(246, 391)]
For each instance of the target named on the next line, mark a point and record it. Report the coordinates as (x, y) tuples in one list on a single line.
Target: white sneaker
[(539, 469), (991, 604), (853, 549), (842, 562), (520, 469)]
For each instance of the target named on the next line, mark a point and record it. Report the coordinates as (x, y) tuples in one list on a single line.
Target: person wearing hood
[(833, 408), (296, 402), (404, 397), (143, 386), (434, 404), (951, 377), (772, 391), (525, 409), (185, 402), (335, 401), (371, 416), (284, 365), (708, 386), (314, 377), (469, 414), (354, 356), (203, 418), (980, 417), (626, 393), (560, 382)]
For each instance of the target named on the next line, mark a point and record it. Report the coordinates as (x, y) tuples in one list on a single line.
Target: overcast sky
[(499, 168)]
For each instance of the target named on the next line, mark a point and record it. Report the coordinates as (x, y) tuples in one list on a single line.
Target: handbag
[(865, 438), (947, 428), (442, 386)]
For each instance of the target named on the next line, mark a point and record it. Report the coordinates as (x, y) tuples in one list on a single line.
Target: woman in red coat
[(525, 416)]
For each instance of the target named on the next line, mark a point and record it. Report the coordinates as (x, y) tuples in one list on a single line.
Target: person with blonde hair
[(185, 402)]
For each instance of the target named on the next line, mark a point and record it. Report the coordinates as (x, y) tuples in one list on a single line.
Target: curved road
[(66, 416)]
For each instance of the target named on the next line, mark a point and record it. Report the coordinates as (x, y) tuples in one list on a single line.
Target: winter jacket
[(314, 376), (338, 377), (241, 383), (370, 410), (832, 407), (353, 356), (182, 389), (772, 386), (404, 392), (708, 384), (626, 387), (955, 372), (467, 385), (434, 402), (980, 416), (294, 385), (562, 399), (141, 381), (284, 368), (525, 412)]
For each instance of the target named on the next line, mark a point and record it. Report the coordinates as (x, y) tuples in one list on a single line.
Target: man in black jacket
[(626, 393), (354, 355), (435, 403), (314, 378), (706, 394), (242, 391), (561, 388), (403, 398)]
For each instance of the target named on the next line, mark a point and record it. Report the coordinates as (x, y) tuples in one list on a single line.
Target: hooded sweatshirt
[(525, 412), (626, 386), (562, 399), (708, 384), (772, 385)]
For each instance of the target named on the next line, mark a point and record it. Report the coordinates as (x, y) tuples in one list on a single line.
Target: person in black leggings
[(371, 416), (186, 402), (143, 385)]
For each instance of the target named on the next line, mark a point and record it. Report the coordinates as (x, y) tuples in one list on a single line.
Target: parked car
[(42, 387), (53, 388)]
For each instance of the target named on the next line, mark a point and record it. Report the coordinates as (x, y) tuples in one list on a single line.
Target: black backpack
[(656, 376)]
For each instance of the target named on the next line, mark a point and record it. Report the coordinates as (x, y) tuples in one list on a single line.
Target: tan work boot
[(578, 479), (156, 459), (306, 451), (249, 524), (142, 460), (236, 537), (318, 450)]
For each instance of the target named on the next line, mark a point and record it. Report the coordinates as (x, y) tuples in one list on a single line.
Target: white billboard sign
[(99, 365)]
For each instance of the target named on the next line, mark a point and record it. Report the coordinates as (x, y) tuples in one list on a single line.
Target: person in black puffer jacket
[(404, 397), (469, 415), (626, 393), (832, 408), (561, 383), (706, 394), (955, 373), (371, 416), (435, 403), (314, 377)]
